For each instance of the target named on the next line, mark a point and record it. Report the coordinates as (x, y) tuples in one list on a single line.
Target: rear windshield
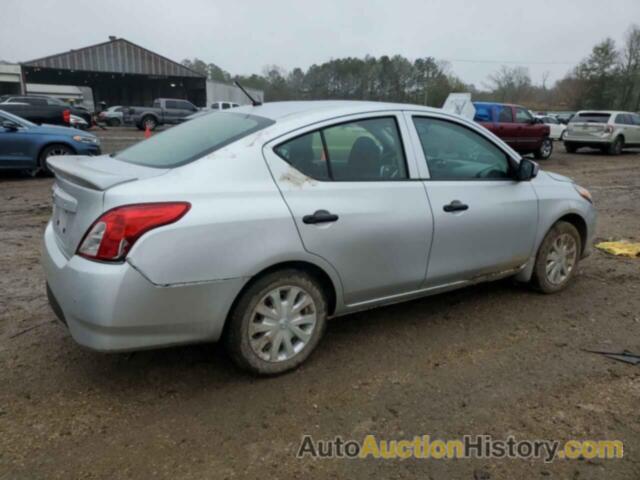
[(590, 117), (193, 139)]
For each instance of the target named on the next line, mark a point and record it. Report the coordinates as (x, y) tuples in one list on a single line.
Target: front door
[(16, 150), (530, 132), (484, 221), (350, 192)]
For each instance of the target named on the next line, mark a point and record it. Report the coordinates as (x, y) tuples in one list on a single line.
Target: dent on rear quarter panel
[(238, 221)]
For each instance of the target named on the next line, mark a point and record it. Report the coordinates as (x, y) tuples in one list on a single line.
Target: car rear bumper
[(587, 140), (113, 307)]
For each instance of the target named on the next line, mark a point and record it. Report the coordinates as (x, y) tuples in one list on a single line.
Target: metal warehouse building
[(119, 73)]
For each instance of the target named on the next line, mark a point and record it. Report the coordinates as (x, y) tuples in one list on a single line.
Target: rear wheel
[(557, 258), (545, 150), (570, 147), (149, 122), (51, 151), (277, 322), (616, 147)]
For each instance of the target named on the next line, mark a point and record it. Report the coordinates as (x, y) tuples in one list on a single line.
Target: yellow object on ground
[(625, 249)]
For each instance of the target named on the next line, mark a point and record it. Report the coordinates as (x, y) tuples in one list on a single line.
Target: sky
[(548, 37)]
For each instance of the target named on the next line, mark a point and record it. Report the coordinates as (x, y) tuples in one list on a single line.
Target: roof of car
[(299, 109)]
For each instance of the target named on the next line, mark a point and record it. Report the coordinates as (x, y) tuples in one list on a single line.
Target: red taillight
[(66, 116), (111, 236)]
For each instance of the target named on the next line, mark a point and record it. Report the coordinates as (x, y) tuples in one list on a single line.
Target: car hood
[(58, 130), (560, 178)]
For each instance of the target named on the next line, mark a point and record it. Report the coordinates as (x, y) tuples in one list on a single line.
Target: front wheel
[(557, 258), (51, 151), (545, 150), (277, 322)]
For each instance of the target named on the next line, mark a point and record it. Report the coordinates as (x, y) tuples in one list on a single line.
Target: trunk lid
[(79, 189)]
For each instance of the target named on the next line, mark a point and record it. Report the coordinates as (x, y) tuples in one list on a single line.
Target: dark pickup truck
[(40, 114), (42, 100), (516, 126), (164, 111)]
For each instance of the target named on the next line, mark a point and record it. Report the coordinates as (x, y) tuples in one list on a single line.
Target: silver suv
[(609, 131)]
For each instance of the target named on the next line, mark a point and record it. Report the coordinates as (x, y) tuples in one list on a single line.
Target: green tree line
[(608, 78)]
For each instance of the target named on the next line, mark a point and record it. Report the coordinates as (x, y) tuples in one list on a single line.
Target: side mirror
[(527, 169), (9, 126)]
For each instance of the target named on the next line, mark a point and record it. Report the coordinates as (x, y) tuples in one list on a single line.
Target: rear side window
[(191, 140), (590, 117), (364, 150), (505, 115), (483, 113), (306, 154)]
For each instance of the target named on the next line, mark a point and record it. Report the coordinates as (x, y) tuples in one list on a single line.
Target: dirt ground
[(494, 359)]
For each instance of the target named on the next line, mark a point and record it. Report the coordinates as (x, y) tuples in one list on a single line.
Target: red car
[(516, 126)]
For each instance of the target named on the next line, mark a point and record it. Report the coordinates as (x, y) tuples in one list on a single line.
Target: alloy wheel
[(561, 259), (282, 323)]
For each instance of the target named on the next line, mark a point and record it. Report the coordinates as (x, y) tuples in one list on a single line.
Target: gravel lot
[(493, 359)]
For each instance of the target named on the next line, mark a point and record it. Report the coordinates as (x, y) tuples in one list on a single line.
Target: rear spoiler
[(99, 173)]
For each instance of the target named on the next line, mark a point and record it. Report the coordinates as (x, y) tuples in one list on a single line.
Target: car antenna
[(254, 102)]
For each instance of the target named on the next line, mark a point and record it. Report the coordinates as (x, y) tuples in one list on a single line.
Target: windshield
[(193, 139), (6, 116), (591, 117)]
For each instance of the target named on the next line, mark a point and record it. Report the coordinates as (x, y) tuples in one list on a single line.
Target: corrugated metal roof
[(115, 56)]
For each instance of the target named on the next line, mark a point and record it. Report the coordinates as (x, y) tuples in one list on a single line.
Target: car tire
[(114, 122), (150, 122), (545, 150), (50, 151), (557, 258), (616, 147), (570, 147), (261, 336)]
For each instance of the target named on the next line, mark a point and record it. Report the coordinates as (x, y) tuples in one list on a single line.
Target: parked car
[(42, 100), (556, 129), (223, 105), (78, 122), (40, 114), (164, 111), (113, 116), (26, 146), (517, 127), (256, 224), (609, 131)]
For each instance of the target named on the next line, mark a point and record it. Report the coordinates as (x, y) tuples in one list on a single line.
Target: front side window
[(363, 150), (523, 115), (454, 152), (194, 139)]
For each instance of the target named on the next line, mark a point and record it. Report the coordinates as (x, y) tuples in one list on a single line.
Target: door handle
[(455, 206), (320, 216)]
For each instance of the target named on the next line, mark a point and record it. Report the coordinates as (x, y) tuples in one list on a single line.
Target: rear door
[(484, 221), (507, 129), (352, 190)]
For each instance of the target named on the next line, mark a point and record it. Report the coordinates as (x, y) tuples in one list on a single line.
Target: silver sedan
[(255, 225)]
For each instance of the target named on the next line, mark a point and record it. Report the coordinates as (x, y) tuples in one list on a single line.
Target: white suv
[(610, 131)]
